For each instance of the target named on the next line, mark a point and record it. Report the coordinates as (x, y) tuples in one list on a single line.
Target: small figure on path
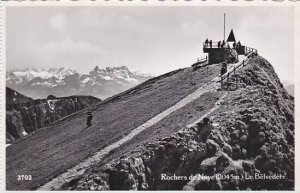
[(89, 119), (224, 68), (210, 43)]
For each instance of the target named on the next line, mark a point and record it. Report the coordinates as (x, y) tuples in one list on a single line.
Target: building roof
[(231, 37)]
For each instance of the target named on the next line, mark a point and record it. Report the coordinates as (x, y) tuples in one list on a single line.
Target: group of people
[(237, 45), (222, 44), (208, 42)]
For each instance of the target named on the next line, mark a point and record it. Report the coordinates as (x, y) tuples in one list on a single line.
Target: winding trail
[(217, 105), (80, 168)]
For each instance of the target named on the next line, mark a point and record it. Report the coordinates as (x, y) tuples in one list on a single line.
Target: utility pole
[(224, 27)]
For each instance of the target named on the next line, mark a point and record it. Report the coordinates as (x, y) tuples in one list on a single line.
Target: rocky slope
[(25, 115), (101, 83), (249, 139)]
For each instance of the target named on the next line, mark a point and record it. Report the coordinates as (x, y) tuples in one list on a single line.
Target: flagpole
[(224, 26)]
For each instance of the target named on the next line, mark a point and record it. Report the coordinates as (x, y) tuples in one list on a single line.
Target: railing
[(242, 63), (200, 61), (249, 50), (214, 45)]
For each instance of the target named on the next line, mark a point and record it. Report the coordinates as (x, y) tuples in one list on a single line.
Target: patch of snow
[(19, 81), (51, 104), (29, 74), (120, 83), (86, 80), (47, 84), (133, 80), (107, 78), (215, 124), (125, 76), (95, 82), (12, 79), (138, 73)]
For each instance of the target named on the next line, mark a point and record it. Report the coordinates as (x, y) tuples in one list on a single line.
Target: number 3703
[(24, 177)]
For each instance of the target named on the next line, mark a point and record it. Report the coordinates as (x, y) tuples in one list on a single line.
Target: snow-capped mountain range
[(289, 87), (101, 83)]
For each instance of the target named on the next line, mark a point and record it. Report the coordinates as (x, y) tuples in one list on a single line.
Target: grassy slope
[(166, 127), (62, 145)]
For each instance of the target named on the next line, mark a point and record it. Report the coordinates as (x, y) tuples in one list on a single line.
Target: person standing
[(223, 44), (206, 42), (89, 119), (224, 68)]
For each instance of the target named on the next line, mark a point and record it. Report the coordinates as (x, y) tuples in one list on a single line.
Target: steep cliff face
[(25, 115), (248, 144)]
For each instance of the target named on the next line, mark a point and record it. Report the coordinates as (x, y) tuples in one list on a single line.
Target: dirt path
[(217, 105), (79, 169)]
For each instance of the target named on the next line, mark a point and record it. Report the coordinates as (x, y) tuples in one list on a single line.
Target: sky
[(151, 40)]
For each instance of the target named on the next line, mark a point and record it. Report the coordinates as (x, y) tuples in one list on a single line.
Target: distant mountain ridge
[(289, 87), (101, 83)]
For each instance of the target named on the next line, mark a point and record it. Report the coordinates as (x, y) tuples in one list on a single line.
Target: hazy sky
[(148, 39)]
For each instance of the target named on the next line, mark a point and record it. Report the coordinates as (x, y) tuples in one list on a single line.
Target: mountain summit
[(101, 83), (180, 124)]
